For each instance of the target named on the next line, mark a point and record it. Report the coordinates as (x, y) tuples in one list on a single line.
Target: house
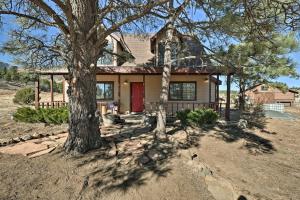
[(131, 82), (265, 94)]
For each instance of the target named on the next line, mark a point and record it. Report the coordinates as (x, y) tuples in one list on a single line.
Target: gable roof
[(139, 46), (254, 86)]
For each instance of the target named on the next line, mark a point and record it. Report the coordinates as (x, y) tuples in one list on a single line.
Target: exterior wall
[(153, 88), (272, 95)]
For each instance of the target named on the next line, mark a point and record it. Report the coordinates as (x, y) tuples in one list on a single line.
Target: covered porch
[(118, 90)]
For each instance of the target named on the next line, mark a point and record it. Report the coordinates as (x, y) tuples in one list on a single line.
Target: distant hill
[(4, 64)]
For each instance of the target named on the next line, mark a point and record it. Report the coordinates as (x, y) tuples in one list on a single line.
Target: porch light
[(126, 82), (206, 80)]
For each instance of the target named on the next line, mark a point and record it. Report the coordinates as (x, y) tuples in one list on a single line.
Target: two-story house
[(130, 78)]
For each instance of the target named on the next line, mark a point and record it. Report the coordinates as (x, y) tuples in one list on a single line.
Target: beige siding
[(153, 87)]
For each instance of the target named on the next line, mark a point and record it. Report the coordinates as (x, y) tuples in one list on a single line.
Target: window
[(264, 88), (182, 91), (105, 91), (107, 58), (161, 53)]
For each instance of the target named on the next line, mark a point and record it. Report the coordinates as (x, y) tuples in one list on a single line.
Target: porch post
[(119, 92), (51, 88), (227, 109), (217, 91), (144, 95), (63, 89), (37, 93), (209, 90)]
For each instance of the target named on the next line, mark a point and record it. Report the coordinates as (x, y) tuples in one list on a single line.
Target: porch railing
[(53, 104), (173, 107)]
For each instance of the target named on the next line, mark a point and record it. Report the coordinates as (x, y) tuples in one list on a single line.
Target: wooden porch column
[(37, 93), (144, 98), (227, 109), (63, 90), (217, 91), (51, 88), (119, 92), (209, 89)]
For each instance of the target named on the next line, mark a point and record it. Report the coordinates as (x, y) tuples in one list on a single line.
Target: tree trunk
[(242, 95), (228, 94), (166, 76), (84, 133)]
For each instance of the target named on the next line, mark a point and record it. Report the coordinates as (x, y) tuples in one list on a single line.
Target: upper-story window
[(161, 53), (107, 58), (264, 88)]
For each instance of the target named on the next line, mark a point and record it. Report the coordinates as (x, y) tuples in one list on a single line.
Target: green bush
[(198, 117), (182, 116), (24, 96), (45, 85), (42, 115)]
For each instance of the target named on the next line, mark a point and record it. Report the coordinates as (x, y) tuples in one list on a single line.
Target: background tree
[(261, 61), (166, 75), (217, 25), (73, 33)]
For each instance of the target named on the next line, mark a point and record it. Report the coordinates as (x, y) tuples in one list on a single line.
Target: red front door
[(137, 97)]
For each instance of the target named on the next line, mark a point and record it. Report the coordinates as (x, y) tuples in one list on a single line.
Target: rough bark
[(166, 76), (228, 93), (241, 95), (84, 133)]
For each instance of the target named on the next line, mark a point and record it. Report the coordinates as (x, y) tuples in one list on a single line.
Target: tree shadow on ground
[(254, 143), (138, 157)]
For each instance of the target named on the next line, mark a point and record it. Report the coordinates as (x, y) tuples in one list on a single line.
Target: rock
[(144, 160), (36, 135), (5, 142), (242, 123), (113, 150), (155, 155), (26, 137), (16, 139)]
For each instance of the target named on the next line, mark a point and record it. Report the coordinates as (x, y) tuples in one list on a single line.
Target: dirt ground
[(8, 127), (219, 163)]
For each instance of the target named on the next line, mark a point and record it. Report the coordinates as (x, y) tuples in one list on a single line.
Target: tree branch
[(6, 12), (60, 23)]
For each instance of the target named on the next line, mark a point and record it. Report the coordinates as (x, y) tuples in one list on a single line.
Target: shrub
[(45, 85), (42, 115), (182, 116), (24, 96), (198, 117)]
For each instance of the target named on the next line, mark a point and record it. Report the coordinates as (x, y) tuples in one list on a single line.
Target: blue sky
[(8, 21)]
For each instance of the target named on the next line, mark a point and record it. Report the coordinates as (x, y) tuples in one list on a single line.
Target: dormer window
[(107, 58), (174, 53)]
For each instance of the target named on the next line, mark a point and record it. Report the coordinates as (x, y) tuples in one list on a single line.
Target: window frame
[(181, 82), (264, 88), (113, 90)]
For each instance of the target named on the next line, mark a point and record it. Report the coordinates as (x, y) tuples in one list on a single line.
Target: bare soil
[(212, 163), (8, 127)]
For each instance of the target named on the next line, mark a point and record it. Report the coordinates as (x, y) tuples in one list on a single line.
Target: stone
[(36, 135), (242, 124), (17, 139), (144, 160), (24, 148), (26, 137), (155, 155), (113, 150)]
